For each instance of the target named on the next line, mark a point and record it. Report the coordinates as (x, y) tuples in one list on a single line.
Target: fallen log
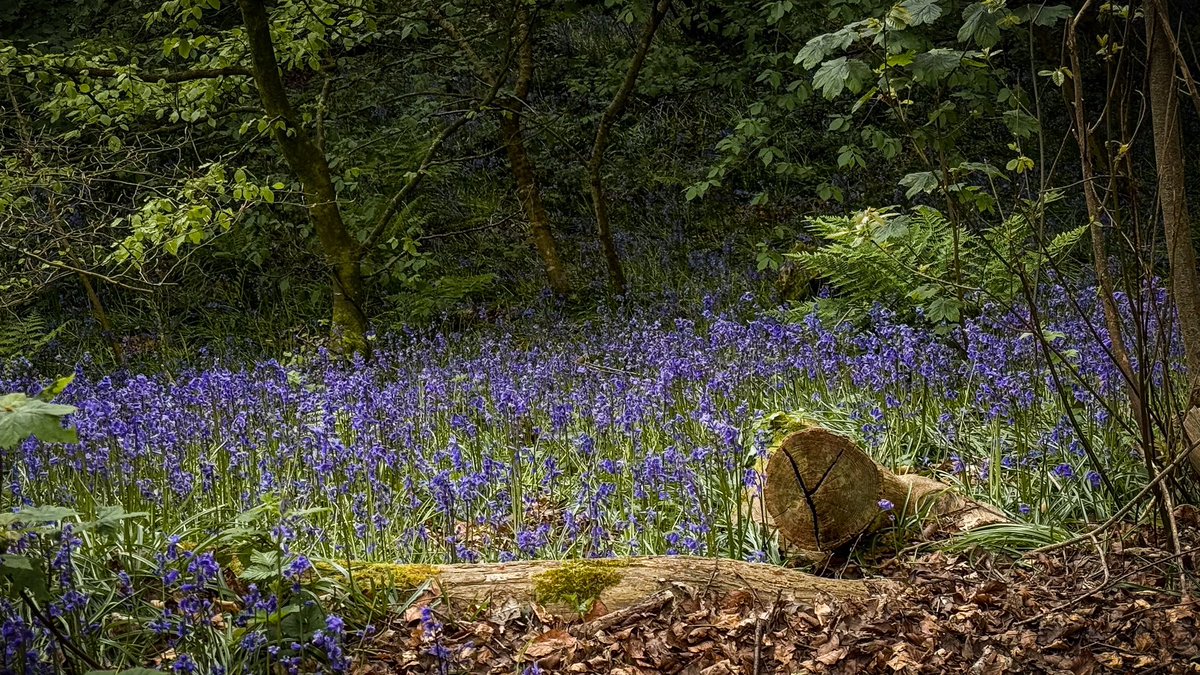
[(822, 491), (568, 586)]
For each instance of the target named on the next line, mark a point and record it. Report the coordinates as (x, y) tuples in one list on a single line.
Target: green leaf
[(1020, 124), (922, 11), (23, 575), (45, 514), (980, 25), (817, 49), (60, 385), (935, 64), (127, 671), (920, 182), (1041, 15), (22, 417), (840, 74)]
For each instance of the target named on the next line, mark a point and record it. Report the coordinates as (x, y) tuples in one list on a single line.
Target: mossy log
[(823, 491), (567, 586)]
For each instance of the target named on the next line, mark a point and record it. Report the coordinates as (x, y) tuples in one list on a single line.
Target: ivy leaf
[(980, 25), (22, 417), (922, 11)]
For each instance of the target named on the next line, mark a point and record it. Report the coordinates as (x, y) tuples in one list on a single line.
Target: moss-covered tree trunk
[(528, 193), (342, 253), (616, 275)]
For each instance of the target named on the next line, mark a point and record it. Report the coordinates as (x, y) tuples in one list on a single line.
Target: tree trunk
[(522, 165), (822, 491), (564, 586), (310, 165), (1168, 154), (616, 275), (101, 315)]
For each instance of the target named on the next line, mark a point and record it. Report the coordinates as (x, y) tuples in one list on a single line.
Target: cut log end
[(821, 490)]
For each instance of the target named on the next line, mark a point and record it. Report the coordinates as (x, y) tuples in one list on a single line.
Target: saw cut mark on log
[(626, 582), (844, 493), (823, 491)]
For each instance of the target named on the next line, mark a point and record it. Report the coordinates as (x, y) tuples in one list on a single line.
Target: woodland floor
[(1080, 611)]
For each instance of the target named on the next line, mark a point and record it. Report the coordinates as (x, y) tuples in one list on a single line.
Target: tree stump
[(823, 491)]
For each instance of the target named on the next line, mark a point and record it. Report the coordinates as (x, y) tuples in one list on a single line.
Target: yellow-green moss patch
[(577, 582), (370, 576)]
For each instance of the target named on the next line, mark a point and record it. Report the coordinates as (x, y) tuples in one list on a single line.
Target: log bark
[(823, 491), (634, 580)]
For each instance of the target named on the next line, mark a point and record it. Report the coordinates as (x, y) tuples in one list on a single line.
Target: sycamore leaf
[(22, 417), (840, 74), (922, 11), (1041, 15), (816, 49), (980, 25), (918, 183), (936, 64)]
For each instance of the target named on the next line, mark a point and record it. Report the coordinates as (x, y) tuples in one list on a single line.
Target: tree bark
[(1172, 197), (823, 491), (519, 160), (341, 251), (101, 315), (624, 582), (616, 275)]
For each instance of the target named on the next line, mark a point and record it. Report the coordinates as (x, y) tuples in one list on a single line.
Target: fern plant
[(25, 335), (907, 261)]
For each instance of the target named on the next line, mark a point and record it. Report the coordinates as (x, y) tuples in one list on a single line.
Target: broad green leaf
[(840, 74), (817, 49), (23, 575), (980, 24), (935, 64), (922, 11), (1043, 15), (22, 417), (1020, 123), (918, 183)]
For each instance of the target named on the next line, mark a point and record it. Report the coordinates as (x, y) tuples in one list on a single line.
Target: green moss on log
[(577, 582)]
